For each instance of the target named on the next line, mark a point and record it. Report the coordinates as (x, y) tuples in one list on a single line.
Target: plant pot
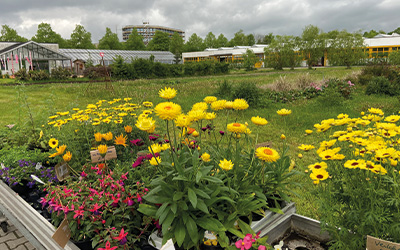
[(83, 244)]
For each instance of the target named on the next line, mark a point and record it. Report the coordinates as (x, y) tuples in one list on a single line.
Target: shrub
[(382, 86), (60, 73), (224, 90), (22, 75), (97, 72), (249, 92), (39, 75), (364, 79)]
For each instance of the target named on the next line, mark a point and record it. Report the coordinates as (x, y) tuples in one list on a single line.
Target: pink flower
[(78, 213), (243, 244), (121, 235), (262, 248), (108, 247)]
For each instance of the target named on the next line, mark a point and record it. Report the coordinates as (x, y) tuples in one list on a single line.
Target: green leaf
[(202, 194), (236, 232), (276, 210), (167, 224), (148, 210), (163, 216), (245, 227), (192, 197), (212, 179), (177, 196), (180, 178), (202, 206), (210, 224), (192, 229), (198, 176), (180, 233), (174, 207), (161, 209)]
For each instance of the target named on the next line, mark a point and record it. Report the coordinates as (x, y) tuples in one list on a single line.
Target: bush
[(364, 79), (97, 72), (22, 75), (60, 73), (382, 86), (224, 90), (39, 75), (249, 92)]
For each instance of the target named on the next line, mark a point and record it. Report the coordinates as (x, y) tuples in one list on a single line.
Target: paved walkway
[(14, 240)]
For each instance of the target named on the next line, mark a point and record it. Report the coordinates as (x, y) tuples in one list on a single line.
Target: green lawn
[(40, 101)]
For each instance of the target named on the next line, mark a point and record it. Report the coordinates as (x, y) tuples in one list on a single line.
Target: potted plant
[(100, 206)]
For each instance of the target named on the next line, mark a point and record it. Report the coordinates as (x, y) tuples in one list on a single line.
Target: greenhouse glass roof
[(31, 49)]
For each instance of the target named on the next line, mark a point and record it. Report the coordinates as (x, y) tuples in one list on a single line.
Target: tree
[(397, 31), (80, 38), (394, 58), (372, 33), (134, 42), (160, 41), (10, 35), (110, 41), (282, 53), (239, 39), (312, 45), (176, 46), (221, 41), (346, 49), (249, 59), (267, 39), (45, 34), (250, 40), (210, 41), (195, 43)]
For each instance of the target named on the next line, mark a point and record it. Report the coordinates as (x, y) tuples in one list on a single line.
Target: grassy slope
[(45, 100)]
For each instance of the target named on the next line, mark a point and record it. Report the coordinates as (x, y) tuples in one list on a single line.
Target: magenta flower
[(244, 244), (121, 235), (137, 142), (262, 247), (78, 213), (108, 247)]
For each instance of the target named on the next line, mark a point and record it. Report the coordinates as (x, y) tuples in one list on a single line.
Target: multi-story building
[(147, 31)]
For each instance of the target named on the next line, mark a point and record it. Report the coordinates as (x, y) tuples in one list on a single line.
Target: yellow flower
[(102, 149), (305, 147), (309, 131), (155, 161), (148, 104), (319, 175), (120, 140), (53, 143), (236, 127), (392, 118), (300, 156), (218, 105), (205, 157), (98, 136), (283, 137), (329, 154), (67, 157), (41, 134), (183, 121), (91, 106), (375, 111), (128, 129), (210, 116), (284, 112), (240, 104), (259, 121), (165, 146), (200, 106), (355, 164), (267, 154), (196, 115), (167, 93), (155, 148), (210, 99), (107, 136), (317, 166), (195, 133), (225, 164), (168, 110), (146, 124), (60, 151), (228, 105)]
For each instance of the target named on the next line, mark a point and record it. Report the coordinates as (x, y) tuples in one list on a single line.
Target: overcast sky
[(281, 17)]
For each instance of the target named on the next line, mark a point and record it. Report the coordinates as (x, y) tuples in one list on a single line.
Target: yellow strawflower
[(267, 154), (205, 157), (259, 121), (146, 124), (155, 161), (167, 93), (210, 99), (168, 110), (284, 112), (98, 136), (107, 136), (240, 104), (236, 127), (102, 149), (183, 121), (218, 105), (225, 164)]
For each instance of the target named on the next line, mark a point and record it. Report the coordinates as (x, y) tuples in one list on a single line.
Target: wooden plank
[(28, 221)]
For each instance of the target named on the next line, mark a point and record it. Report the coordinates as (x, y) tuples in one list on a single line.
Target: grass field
[(19, 102)]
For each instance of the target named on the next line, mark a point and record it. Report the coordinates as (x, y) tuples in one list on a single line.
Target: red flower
[(108, 247), (78, 213), (121, 235), (244, 244)]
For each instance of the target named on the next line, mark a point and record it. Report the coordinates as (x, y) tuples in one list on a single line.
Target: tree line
[(283, 51)]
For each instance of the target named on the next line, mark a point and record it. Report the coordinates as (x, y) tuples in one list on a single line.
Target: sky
[(280, 17)]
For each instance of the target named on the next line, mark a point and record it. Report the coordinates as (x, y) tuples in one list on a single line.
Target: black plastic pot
[(84, 244)]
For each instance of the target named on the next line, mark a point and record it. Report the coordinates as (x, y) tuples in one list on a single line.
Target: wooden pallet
[(36, 229)]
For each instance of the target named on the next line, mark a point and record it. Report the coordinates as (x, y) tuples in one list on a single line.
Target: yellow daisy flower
[(267, 154), (225, 164)]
